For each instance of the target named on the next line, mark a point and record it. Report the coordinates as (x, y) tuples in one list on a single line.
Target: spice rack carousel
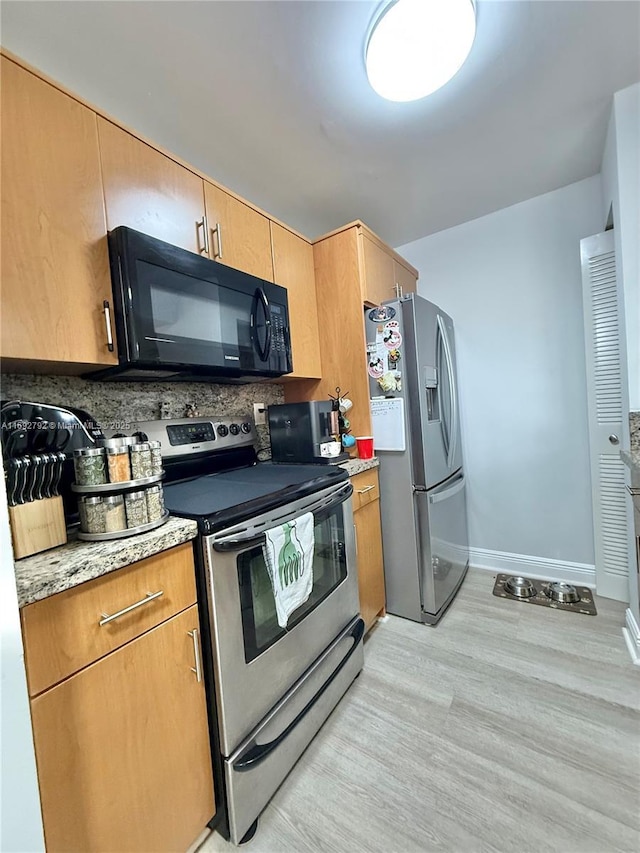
[(121, 507)]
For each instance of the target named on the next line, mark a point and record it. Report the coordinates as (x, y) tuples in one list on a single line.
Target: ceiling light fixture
[(416, 46)]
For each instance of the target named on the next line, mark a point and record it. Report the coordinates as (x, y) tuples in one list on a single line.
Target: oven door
[(257, 661)]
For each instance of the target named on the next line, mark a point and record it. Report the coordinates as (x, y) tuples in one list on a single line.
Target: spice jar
[(141, 465), (115, 518), (82, 513), (119, 466), (155, 503), (94, 511), (156, 457), (136, 508), (88, 463)]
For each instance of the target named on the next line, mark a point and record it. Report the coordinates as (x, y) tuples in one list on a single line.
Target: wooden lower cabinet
[(366, 518), (122, 748)]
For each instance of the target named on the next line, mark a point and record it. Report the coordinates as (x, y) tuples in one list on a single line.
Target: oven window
[(259, 620)]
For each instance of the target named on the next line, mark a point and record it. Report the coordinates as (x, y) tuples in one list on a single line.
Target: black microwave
[(181, 317)]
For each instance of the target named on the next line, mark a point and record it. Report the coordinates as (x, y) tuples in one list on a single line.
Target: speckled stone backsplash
[(634, 430), (123, 402)]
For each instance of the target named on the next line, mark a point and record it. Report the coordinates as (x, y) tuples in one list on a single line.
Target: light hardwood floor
[(508, 727)]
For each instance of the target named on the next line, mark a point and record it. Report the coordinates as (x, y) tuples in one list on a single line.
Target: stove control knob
[(222, 430), (246, 427), (234, 429)]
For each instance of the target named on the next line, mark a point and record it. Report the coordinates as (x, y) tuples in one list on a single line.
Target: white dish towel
[(288, 553)]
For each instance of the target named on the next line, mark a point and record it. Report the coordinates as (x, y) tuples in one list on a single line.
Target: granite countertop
[(53, 571), (357, 466), (632, 459), (69, 565)]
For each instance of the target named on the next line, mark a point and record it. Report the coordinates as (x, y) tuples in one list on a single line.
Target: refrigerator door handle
[(454, 395), (435, 497)]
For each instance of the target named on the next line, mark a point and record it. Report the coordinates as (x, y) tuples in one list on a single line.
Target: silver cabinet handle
[(634, 491), (202, 223), (366, 489), (107, 319), (398, 290), (355, 534), (217, 233), (613, 438), (196, 654), (150, 596)]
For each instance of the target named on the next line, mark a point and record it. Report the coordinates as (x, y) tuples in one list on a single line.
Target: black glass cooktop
[(217, 500)]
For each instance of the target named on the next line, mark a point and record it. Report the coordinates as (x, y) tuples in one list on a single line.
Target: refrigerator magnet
[(391, 336), (394, 357), (382, 313), (375, 367)]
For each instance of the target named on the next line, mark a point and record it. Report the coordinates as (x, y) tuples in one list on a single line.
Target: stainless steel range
[(269, 688)]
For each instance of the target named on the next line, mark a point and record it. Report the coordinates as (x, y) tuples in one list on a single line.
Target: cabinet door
[(55, 267), (122, 748), (293, 269), (238, 235), (149, 192), (404, 278), (370, 562), (379, 281)]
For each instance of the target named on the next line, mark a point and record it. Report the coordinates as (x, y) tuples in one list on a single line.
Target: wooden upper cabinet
[(55, 267), (122, 748), (148, 191), (293, 269), (378, 280), (404, 278), (238, 236)]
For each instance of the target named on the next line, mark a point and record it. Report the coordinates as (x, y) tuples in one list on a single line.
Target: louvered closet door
[(607, 410)]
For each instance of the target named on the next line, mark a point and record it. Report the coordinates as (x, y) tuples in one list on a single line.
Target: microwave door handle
[(262, 296), (259, 297)]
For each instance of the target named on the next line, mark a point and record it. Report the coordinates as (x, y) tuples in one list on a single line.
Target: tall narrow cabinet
[(353, 268)]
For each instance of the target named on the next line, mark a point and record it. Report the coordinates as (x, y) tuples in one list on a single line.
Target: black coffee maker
[(305, 432)]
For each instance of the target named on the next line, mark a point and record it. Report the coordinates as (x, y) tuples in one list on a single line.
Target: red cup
[(364, 444)]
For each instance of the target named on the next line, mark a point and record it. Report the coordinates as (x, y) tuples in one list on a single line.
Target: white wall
[(20, 818), (621, 189), (512, 282)]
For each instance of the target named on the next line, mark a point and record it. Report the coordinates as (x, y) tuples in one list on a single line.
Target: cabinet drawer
[(366, 488), (62, 634)]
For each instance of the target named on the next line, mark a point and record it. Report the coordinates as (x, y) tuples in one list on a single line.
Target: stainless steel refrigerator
[(411, 361)]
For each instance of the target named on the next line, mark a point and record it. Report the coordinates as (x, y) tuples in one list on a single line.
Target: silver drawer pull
[(151, 596), (366, 489), (634, 491), (196, 653)]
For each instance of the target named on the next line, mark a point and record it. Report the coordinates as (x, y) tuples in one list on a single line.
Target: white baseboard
[(631, 633), (581, 574)]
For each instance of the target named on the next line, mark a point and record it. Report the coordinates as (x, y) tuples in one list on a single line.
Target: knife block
[(37, 526)]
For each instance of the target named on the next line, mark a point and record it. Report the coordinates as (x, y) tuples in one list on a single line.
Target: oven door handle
[(259, 752), (238, 543)]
